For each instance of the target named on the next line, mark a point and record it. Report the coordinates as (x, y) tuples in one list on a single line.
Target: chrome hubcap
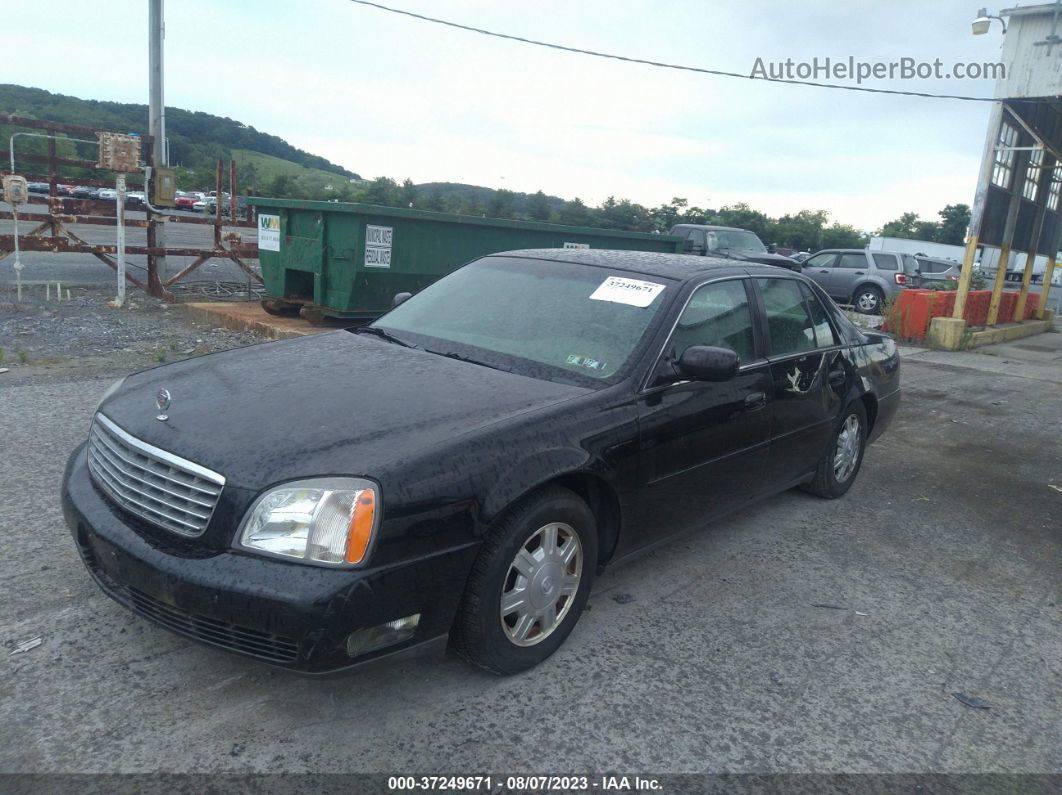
[(847, 453), (868, 302), (541, 584)]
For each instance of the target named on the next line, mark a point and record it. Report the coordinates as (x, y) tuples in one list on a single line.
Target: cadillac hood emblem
[(162, 400)]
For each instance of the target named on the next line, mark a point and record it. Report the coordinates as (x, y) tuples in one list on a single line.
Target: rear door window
[(824, 334), (852, 261), (790, 328)]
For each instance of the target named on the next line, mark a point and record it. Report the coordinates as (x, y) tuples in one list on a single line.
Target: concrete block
[(946, 333)]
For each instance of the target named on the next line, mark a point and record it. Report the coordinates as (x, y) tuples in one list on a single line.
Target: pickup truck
[(728, 242)]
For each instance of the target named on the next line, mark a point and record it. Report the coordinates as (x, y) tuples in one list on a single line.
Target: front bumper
[(286, 614)]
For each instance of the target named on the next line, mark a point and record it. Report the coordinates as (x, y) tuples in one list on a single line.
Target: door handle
[(755, 401), (837, 377), (859, 273), (824, 270)]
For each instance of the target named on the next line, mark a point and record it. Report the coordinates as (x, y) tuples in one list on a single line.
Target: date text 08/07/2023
[(524, 783)]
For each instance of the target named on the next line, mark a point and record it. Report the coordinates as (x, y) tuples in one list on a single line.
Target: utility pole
[(157, 113)]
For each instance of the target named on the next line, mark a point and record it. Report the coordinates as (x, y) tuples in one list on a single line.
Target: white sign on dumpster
[(576, 245), (378, 246), (269, 232)]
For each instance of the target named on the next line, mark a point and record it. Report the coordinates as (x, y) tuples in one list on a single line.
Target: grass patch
[(266, 167)]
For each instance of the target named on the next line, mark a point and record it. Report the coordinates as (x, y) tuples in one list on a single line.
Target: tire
[(868, 300), (831, 480), (485, 636), (279, 308)]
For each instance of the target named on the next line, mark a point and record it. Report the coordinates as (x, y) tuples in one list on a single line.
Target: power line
[(662, 65)]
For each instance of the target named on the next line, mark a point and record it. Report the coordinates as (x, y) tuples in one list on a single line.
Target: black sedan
[(462, 467)]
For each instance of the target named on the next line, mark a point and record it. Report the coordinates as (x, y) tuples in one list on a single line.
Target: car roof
[(710, 226), (936, 259), (863, 251), (649, 263)]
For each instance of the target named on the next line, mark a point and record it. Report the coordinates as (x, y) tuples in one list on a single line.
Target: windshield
[(523, 314), (738, 240)]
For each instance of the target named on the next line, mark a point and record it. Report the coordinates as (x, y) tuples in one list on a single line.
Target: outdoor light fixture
[(984, 20)]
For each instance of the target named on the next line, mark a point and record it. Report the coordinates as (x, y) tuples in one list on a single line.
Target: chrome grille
[(160, 487)]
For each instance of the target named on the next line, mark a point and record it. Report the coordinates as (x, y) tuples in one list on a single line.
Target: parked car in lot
[(464, 466), (37, 187), (186, 201), (134, 199), (107, 194), (731, 243), (862, 278), (84, 192), (205, 206), (937, 270)]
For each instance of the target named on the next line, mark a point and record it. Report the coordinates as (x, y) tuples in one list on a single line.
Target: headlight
[(328, 521), (110, 391)]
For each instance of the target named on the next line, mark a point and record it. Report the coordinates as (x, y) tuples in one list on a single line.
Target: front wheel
[(529, 583), (839, 465)]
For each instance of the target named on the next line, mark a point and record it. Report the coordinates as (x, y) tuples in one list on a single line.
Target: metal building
[(1018, 202)]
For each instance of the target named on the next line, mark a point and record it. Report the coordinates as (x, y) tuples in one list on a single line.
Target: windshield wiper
[(469, 359), (384, 335)]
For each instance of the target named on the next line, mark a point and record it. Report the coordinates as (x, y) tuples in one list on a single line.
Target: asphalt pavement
[(802, 635)]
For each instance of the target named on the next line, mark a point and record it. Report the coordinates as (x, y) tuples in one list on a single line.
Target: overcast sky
[(386, 95)]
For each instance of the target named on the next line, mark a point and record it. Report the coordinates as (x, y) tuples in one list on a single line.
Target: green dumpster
[(342, 260)]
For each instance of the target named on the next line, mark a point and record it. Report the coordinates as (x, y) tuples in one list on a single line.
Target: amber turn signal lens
[(360, 532)]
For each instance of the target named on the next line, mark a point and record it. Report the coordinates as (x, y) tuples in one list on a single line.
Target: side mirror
[(707, 363), (772, 249), (400, 298)]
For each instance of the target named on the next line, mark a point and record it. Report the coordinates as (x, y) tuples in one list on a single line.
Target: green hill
[(196, 139), (256, 169)]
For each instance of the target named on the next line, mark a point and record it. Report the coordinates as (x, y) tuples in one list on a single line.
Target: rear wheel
[(840, 463), (869, 300), (529, 584)]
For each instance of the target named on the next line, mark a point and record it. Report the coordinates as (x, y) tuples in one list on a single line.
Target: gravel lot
[(40, 338), (800, 636)]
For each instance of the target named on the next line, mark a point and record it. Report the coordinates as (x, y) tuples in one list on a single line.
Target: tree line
[(806, 230)]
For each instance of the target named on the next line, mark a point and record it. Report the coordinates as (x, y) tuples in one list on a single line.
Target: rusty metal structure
[(52, 233)]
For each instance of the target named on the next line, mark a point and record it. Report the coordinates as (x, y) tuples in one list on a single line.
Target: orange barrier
[(1032, 300), (908, 318)]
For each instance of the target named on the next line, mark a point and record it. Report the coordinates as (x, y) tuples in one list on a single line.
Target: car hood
[(335, 403)]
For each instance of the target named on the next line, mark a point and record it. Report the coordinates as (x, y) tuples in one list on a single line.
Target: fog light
[(364, 641)]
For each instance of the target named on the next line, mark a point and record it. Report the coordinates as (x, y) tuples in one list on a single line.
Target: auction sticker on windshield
[(633, 292)]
